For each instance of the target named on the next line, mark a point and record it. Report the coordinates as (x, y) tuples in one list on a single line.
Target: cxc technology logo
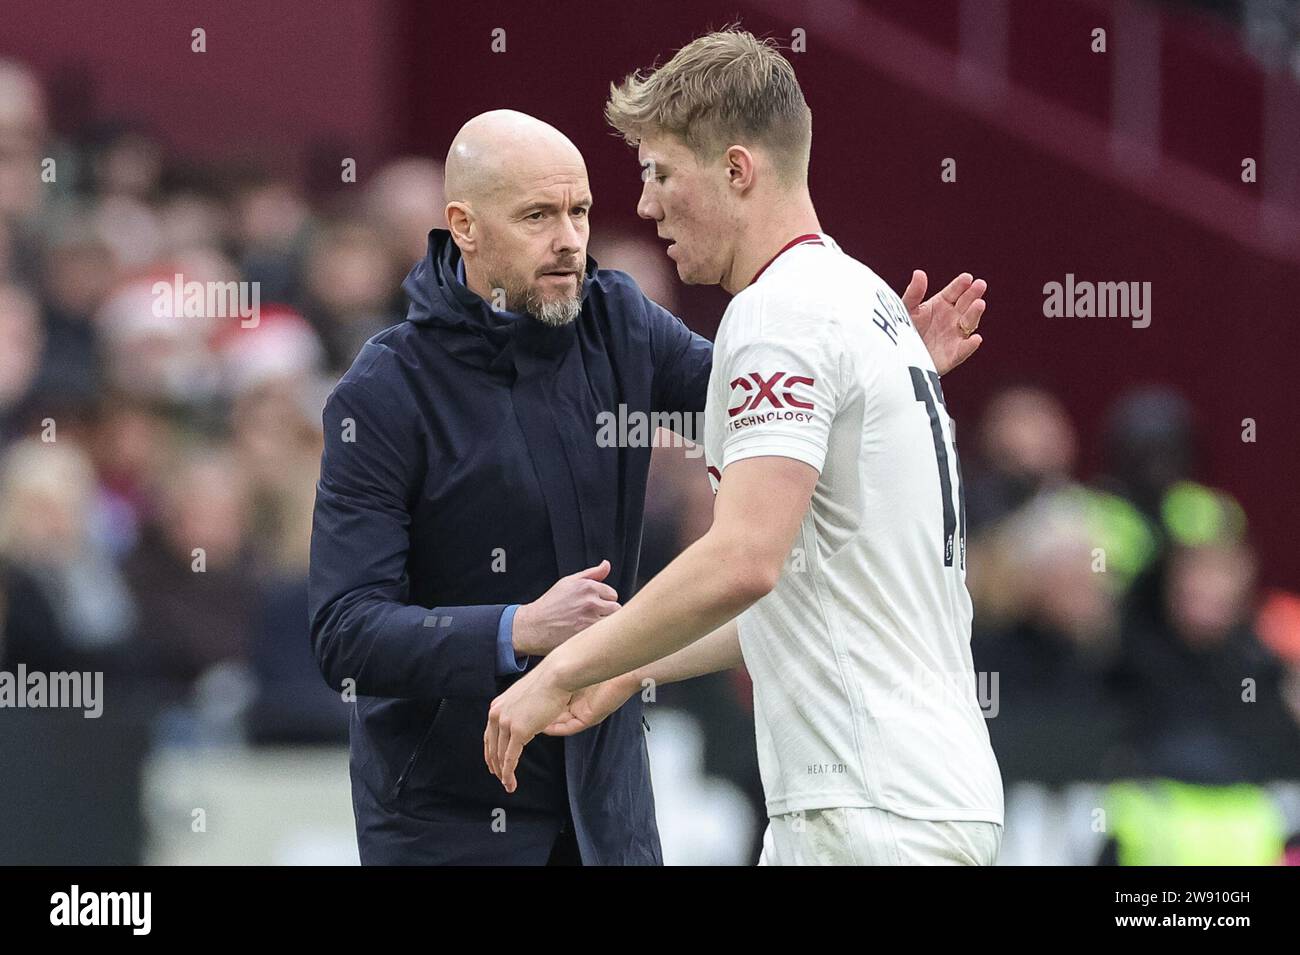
[(103, 908), (752, 392)]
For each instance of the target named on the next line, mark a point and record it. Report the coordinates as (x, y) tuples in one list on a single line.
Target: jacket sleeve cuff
[(508, 662)]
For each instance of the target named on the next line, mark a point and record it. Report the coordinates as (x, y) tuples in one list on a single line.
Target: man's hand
[(947, 322), (592, 704), (572, 605), (515, 717)]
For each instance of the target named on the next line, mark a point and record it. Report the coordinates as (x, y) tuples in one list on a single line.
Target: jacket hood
[(467, 326)]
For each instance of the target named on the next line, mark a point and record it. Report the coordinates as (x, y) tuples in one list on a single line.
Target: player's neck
[(766, 236)]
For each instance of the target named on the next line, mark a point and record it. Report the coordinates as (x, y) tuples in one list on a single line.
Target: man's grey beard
[(554, 314)]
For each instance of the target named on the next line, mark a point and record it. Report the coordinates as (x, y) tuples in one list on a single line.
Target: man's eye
[(579, 211), (536, 216)]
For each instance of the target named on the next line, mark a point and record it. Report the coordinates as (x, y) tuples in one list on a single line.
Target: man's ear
[(740, 168), (460, 222)]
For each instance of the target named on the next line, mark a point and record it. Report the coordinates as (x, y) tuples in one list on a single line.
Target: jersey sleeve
[(783, 392)]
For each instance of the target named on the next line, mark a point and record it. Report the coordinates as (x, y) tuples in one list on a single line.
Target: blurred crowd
[(157, 467), (1123, 616), (1119, 634), (157, 473), (1127, 629)]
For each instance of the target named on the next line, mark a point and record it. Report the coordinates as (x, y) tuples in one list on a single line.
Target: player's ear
[(740, 168), (460, 222)]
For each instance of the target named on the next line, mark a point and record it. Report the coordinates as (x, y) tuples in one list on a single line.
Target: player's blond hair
[(722, 89)]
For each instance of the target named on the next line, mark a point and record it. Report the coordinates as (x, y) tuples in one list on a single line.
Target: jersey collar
[(798, 240)]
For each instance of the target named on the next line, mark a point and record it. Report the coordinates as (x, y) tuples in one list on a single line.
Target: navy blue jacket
[(461, 473)]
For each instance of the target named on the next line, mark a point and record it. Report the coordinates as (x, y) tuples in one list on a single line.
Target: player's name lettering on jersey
[(889, 313)]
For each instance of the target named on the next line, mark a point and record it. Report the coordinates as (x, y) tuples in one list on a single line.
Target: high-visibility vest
[(1164, 822)]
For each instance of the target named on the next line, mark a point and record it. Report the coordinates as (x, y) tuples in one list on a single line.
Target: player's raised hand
[(591, 704), (515, 717), (947, 322)]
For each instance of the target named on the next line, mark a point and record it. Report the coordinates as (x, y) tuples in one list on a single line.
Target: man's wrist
[(561, 669), (632, 682)]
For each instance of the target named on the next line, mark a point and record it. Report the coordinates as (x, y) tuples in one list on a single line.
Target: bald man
[(467, 520)]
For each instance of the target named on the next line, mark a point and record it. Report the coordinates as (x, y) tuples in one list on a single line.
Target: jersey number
[(921, 382)]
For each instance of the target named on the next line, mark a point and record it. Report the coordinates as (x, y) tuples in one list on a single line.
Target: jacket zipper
[(410, 763)]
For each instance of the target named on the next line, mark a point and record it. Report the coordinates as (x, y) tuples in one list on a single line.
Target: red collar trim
[(800, 240)]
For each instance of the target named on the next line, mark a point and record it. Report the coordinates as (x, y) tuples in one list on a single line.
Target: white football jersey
[(864, 686)]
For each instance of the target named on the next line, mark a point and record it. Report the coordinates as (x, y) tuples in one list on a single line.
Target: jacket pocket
[(415, 756)]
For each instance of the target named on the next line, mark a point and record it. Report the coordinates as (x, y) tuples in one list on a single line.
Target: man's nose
[(569, 238), (646, 207)]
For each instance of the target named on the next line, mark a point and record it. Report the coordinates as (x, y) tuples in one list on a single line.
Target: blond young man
[(835, 565)]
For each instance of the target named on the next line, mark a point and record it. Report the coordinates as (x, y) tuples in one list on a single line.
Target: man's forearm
[(709, 584), (392, 649), (720, 650)]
